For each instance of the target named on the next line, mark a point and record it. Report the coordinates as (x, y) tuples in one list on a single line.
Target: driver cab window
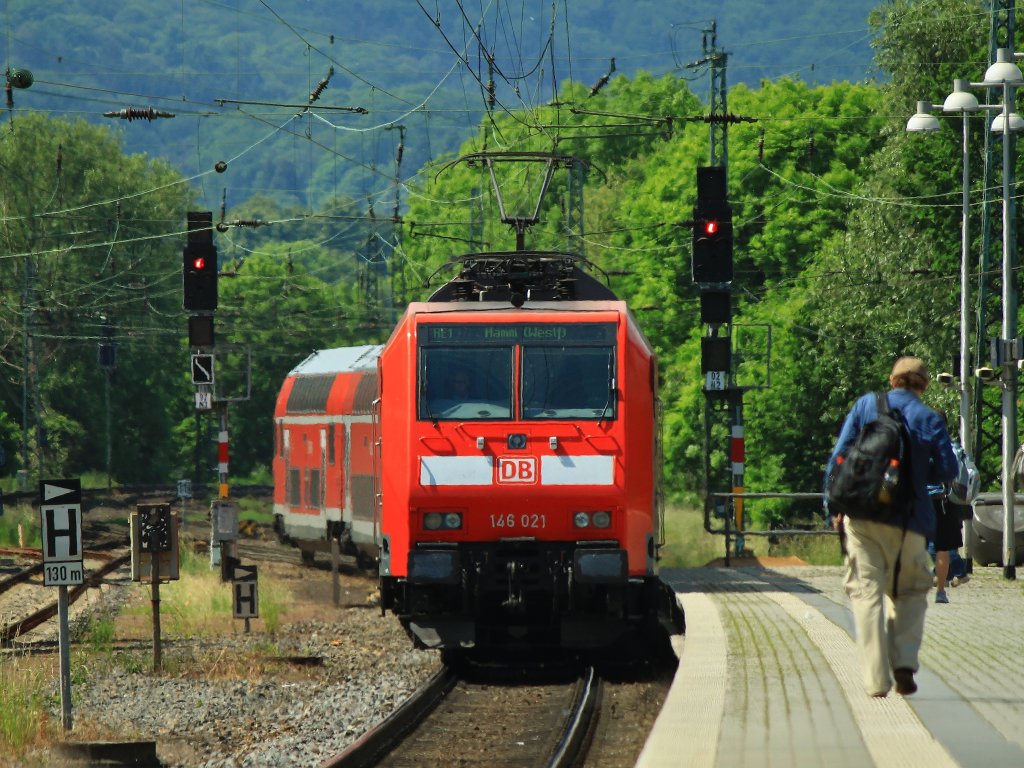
[(465, 383), (568, 382)]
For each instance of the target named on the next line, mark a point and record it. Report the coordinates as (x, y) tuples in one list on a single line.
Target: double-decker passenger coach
[(324, 481)]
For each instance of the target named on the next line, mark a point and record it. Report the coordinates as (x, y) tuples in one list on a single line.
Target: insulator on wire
[(252, 223), (315, 94), (760, 147), (604, 79), (398, 154), (138, 113)]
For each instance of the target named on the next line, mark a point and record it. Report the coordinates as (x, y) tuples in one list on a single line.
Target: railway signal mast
[(712, 270), (200, 299)]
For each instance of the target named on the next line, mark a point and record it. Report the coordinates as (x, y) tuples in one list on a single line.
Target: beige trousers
[(888, 609)]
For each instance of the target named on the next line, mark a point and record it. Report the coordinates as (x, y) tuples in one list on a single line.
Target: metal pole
[(965, 323), (1009, 369), (65, 657), (154, 573), (335, 572), (736, 457), (965, 287), (106, 405)]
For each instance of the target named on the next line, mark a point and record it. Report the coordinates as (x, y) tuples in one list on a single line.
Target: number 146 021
[(522, 520)]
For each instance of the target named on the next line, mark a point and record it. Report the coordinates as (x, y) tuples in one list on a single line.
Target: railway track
[(477, 722), (39, 603)]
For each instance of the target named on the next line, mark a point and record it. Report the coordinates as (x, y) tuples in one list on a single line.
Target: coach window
[(465, 383), (293, 487), (568, 382)]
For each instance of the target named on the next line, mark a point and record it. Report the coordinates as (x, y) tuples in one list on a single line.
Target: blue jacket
[(932, 458)]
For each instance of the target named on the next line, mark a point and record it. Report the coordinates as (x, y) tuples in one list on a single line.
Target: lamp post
[(1003, 73), (963, 101), (966, 103)]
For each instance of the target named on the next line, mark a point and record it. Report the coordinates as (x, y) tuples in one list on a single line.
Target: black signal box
[(715, 307), (712, 229), (200, 330), (715, 354), (199, 264), (711, 187)]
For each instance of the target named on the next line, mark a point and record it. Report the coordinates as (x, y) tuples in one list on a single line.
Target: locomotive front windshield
[(465, 383), (526, 371)]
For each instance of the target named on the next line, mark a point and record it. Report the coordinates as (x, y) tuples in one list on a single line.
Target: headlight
[(447, 521), (602, 519), (581, 520)]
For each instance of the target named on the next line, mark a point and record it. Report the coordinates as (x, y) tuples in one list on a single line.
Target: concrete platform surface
[(768, 676)]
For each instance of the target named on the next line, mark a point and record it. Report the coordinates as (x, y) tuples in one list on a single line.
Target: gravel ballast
[(291, 698)]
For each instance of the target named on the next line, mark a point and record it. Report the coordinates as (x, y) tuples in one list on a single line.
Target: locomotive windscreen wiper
[(424, 393), (611, 390)]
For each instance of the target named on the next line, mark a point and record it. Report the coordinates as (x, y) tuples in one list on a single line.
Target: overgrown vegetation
[(23, 705), (847, 255), (19, 527), (689, 545)]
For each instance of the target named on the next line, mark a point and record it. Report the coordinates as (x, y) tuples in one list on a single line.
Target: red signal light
[(199, 263), (710, 227)]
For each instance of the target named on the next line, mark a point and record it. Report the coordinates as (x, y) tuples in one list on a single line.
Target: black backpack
[(871, 481)]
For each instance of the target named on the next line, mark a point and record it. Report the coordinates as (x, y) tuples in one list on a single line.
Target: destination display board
[(516, 333)]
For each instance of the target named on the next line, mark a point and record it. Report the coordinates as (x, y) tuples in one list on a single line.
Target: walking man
[(888, 570)]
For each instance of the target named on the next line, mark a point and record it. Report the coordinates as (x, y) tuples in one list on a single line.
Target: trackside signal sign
[(246, 592), (60, 518)]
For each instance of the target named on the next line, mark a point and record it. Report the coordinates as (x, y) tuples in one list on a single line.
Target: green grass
[(255, 509), (27, 518), (688, 545), (200, 604), (23, 706)]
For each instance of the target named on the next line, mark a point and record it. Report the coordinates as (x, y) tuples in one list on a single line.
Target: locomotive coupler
[(515, 600)]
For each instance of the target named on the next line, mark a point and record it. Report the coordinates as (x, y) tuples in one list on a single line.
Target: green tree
[(86, 252)]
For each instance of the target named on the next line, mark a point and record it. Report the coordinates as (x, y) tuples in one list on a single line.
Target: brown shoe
[(905, 684)]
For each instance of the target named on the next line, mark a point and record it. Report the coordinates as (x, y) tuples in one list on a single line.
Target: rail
[(572, 745), (369, 749), (17, 628)]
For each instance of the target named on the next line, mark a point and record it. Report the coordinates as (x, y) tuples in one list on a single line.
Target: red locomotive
[(323, 457), (520, 462)]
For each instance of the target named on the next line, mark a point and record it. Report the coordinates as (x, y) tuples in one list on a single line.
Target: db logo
[(521, 469)]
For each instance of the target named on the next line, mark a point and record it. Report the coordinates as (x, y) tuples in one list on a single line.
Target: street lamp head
[(1016, 123), (1004, 71), (961, 99), (922, 120)]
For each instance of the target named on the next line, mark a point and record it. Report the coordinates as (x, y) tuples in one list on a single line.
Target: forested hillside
[(236, 74), (847, 254)]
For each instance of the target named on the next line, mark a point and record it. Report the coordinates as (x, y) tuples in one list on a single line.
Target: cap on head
[(912, 370)]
